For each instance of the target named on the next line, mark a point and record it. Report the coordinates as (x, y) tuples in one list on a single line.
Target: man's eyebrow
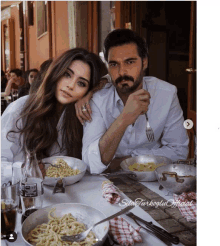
[(79, 77), (131, 59), (128, 59)]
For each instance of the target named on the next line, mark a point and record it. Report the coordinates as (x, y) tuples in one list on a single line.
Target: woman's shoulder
[(16, 106)]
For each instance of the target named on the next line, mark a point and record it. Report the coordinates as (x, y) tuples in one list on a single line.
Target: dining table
[(151, 204)]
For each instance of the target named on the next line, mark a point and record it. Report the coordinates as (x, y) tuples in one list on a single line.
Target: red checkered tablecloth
[(123, 232), (110, 192), (186, 203)]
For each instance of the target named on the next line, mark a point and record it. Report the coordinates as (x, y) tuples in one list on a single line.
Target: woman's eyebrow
[(79, 77)]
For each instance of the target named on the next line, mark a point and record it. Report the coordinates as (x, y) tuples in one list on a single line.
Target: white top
[(165, 117), (12, 150)]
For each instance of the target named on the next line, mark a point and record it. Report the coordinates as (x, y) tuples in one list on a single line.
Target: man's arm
[(174, 139), (136, 104), (93, 147)]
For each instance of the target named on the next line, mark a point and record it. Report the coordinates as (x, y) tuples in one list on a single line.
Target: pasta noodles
[(50, 234), (64, 170), (150, 166)]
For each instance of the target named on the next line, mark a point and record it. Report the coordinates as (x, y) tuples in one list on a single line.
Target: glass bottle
[(31, 186)]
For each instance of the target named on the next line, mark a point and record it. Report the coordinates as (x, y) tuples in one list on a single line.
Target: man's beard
[(126, 89)]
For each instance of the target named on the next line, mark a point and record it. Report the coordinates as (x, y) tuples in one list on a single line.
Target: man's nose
[(122, 70)]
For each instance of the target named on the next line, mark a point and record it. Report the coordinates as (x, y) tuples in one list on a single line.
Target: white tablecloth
[(89, 191)]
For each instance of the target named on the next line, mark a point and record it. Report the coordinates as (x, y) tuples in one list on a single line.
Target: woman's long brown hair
[(39, 117)]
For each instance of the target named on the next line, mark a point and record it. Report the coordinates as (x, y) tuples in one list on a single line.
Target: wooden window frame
[(10, 23), (45, 21)]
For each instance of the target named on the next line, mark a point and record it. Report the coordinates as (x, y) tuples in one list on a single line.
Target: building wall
[(15, 18), (39, 48), (61, 27)]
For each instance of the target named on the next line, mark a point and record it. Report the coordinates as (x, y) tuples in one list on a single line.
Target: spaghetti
[(150, 166), (64, 170), (50, 234)]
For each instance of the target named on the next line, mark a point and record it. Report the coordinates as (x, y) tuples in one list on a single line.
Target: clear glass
[(9, 204), (31, 186)]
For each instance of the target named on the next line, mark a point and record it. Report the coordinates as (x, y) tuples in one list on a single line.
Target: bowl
[(73, 163), (83, 213), (177, 178), (142, 159)]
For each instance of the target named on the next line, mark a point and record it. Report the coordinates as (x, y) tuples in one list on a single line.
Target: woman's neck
[(59, 109)]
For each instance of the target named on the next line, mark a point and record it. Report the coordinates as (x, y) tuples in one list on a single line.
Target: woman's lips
[(66, 94)]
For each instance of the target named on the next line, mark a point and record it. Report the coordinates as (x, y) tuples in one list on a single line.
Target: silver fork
[(149, 130), (81, 236)]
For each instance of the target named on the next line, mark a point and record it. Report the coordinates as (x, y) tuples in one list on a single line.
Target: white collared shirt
[(165, 117), (12, 150)]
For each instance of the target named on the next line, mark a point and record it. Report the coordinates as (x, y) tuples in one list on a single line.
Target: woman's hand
[(42, 168), (83, 109)]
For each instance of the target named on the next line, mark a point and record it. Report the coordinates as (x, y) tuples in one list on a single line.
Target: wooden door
[(191, 110)]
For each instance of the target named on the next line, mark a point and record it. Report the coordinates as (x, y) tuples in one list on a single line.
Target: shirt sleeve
[(92, 133), (174, 139), (10, 149)]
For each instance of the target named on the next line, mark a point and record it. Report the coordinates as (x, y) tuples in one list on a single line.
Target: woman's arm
[(85, 115)]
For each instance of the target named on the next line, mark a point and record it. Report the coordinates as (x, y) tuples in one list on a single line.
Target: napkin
[(123, 233), (110, 192), (186, 203)]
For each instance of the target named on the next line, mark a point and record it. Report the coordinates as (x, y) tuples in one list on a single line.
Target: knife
[(156, 229)]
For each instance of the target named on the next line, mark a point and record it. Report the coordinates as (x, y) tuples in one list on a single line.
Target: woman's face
[(31, 77), (74, 84)]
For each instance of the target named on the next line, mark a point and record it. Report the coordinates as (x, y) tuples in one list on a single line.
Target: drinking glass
[(16, 178), (9, 204)]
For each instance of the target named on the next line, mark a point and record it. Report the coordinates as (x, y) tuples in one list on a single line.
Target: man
[(15, 82), (118, 127)]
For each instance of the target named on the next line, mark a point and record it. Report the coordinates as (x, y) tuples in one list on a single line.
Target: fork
[(149, 130), (83, 235)]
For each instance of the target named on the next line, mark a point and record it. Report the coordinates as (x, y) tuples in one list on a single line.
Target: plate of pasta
[(144, 166), (46, 226), (69, 169)]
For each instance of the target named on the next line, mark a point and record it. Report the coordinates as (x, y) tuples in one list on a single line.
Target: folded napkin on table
[(110, 192), (123, 233), (186, 203)]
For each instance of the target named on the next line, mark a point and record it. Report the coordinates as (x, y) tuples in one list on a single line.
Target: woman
[(30, 76), (46, 121)]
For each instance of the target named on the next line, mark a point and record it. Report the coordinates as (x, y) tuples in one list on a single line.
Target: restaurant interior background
[(34, 31)]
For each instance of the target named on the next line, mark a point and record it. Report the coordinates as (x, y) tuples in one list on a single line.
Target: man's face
[(13, 75), (126, 68)]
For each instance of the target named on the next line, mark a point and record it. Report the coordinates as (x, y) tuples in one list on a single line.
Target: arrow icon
[(188, 124)]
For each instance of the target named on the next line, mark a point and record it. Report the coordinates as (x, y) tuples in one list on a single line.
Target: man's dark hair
[(120, 37), (17, 71)]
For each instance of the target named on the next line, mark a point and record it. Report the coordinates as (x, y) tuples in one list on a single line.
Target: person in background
[(45, 121), (15, 82), (30, 76), (39, 78), (118, 127)]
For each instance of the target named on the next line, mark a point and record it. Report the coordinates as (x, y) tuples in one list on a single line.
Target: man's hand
[(136, 105)]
